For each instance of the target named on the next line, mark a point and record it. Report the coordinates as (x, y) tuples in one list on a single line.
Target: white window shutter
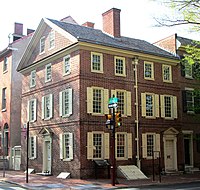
[(35, 146), (89, 100), (129, 144), (128, 103), (89, 145), (71, 143), (156, 104), (143, 104), (60, 103), (175, 115), (157, 144), (70, 100), (144, 145), (61, 146), (106, 99), (28, 111), (43, 107), (162, 105), (107, 145), (35, 109), (51, 105)]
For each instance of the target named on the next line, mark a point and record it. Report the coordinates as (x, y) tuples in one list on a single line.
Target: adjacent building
[(10, 96)]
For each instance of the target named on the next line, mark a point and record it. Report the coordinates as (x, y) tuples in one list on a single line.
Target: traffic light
[(109, 120), (118, 119)]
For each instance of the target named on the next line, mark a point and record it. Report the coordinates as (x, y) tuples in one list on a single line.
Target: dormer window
[(42, 44)]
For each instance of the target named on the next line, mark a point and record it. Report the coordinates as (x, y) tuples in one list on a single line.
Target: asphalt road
[(8, 186)]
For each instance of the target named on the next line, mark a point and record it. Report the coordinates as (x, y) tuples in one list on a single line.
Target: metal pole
[(27, 141), (159, 167), (3, 135), (113, 151)]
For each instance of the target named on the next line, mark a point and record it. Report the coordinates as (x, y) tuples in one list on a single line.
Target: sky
[(137, 16)]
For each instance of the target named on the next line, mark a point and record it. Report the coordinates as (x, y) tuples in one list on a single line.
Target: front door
[(169, 164), (188, 149)]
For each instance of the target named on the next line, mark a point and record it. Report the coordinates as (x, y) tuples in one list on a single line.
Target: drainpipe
[(135, 62)]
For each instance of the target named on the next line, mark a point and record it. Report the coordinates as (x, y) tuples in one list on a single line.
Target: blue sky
[(136, 16)]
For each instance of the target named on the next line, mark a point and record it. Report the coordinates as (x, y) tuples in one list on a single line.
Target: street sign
[(113, 100), (113, 105)]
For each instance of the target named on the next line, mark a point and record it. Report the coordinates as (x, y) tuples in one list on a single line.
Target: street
[(9, 186), (183, 186)]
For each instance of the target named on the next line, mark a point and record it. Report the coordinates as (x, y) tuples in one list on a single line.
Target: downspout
[(135, 62)]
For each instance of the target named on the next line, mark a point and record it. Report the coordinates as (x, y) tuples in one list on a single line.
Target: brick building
[(69, 73), (189, 102), (10, 93)]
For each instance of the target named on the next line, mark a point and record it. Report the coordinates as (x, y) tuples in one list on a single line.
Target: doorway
[(188, 148)]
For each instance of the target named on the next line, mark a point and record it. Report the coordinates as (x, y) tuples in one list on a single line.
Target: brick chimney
[(18, 31), (88, 24), (111, 22)]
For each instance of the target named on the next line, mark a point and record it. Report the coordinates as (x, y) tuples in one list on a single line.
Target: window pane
[(3, 98), (121, 102), (120, 145), (96, 62), (119, 66), (150, 144), (66, 145), (166, 73), (97, 143), (168, 106), (149, 105), (190, 101), (65, 102), (148, 70), (97, 101), (66, 64)]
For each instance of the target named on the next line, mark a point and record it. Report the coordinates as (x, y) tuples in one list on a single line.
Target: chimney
[(88, 24), (111, 22), (18, 31), (29, 31)]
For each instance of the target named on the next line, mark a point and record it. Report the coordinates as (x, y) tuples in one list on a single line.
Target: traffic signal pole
[(113, 167)]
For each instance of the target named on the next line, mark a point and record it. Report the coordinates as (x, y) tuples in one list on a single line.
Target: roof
[(96, 36), (185, 41)]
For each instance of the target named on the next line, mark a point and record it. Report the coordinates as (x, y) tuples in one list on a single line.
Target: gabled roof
[(96, 36), (78, 33), (186, 41)]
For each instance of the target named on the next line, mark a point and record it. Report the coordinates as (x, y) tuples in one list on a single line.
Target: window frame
[(32, 114), (5, 64), (51, 39), (67, 57), (124, 66), (3, 101), (32, 147), (187, 91), (48, 97), (42, 45), (188, 70), (100, 62), (169, 80), (152, 70), (33, 79), (62, 102), (47, 74), (70, 146)]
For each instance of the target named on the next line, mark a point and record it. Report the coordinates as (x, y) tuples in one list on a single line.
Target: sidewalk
[(51, 182)]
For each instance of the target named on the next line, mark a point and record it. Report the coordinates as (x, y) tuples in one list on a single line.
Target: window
[(3, 99), (148, 71), (52, 39), (66, 146), (31, 110), (188, 101), (47, 106), (42, 44), (97, 62), (124, 101), (167, 73), (97, 100), (120, 66), (5, 64), (66, 65), (150, 145), (65, 102), (48, 73), (33, 78), (168, 106), (188, 70), (123, 145), (150, 105), (97, 145), (32, 147)]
